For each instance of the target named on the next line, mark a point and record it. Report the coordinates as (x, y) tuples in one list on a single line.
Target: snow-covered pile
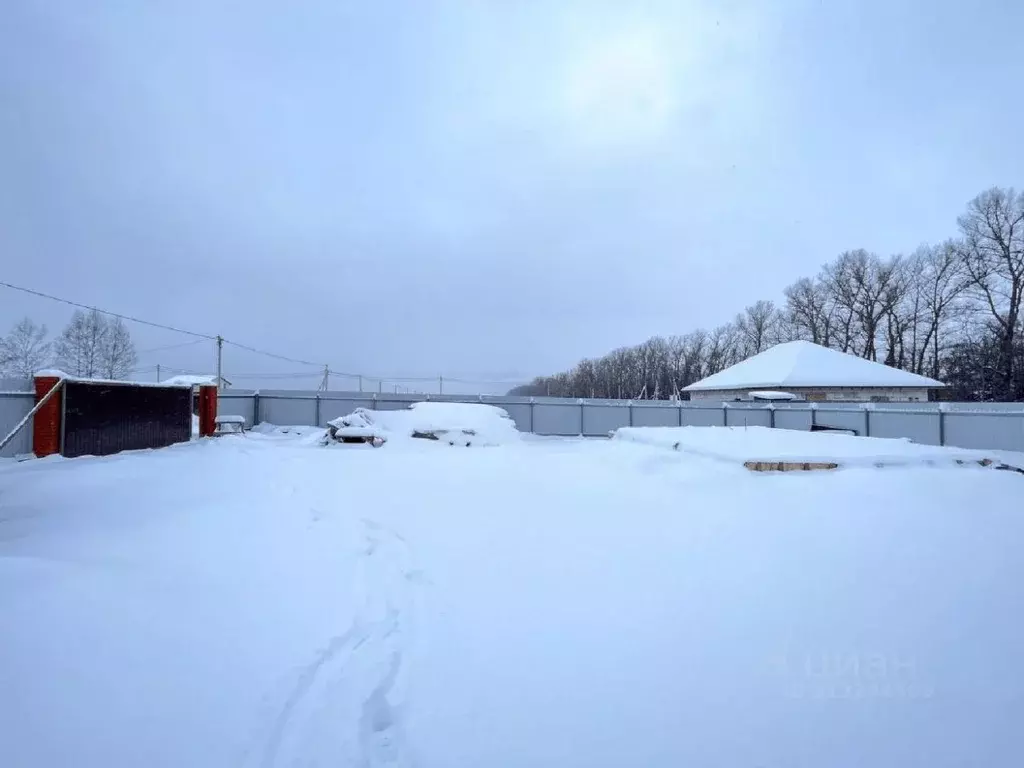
[(468, 424), (741, 444)]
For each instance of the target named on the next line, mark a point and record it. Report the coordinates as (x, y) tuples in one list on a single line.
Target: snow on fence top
[(804, 364), (190, 381)]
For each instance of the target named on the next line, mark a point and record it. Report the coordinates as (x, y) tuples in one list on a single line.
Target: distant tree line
[(950, 311), (92, 345)]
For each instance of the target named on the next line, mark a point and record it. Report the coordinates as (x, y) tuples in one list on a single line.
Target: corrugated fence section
[(992, 426), (17, 396), (101, 419)]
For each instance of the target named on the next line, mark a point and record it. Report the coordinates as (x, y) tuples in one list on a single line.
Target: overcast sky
[(485, 189)]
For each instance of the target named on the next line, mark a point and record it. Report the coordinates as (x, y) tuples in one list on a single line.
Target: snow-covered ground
[(260, 601)]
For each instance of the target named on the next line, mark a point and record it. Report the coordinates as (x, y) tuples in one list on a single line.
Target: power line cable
[(207, 336), (212, 337), (171, 346), (273, 355), (105, 312)]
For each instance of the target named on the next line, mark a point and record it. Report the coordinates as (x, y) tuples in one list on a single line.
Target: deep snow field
[(261, 600)]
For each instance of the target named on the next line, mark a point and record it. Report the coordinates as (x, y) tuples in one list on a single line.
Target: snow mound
[(742, 444), (468, 424)]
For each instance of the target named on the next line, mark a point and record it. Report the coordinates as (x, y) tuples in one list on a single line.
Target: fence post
[(532, 428), (630, 407), (942, 425), (771, 416), (725, 414), (256, 408), (64, 419), (317, 418), (43, 396), (814, 421), (679, 408), (867, 421), (582, 407)]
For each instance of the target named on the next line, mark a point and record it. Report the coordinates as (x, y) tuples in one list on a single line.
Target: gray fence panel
[(843, 418), (13, 408), (789, 418), (237, 405), (982, 430), (655, 416), (557, 419), (703, 417), (520, 413), (748, 417), (333, 408), (386, 403), (919, 427), (599, 420), (287, 412), (997, 426)]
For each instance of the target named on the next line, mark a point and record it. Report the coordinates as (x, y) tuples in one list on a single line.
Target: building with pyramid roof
[(814, 372)]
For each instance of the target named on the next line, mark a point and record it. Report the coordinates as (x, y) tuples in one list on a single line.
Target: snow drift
[(465, 424), (758, 444)]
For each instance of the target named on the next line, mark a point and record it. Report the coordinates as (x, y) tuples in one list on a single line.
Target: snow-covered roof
[(804, 364), (772, 394), (191, 380), (56, 373)]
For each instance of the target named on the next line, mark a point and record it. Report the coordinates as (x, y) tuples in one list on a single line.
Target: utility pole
[(380, 385), (220, 356), (440, 385), (396, 389), (326, 383), (360, 382), (158, 373)]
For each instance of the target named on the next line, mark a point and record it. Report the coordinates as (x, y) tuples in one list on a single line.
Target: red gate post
[(46, 422), (207, 410)]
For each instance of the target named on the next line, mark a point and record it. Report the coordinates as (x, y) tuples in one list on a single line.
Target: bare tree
[(24, 350), (939, 286), (864, 289), (993, 256), (809, 311), (953, 311), (722, 349), (757, 328), (80, 347), (117, 351), (900, 304)]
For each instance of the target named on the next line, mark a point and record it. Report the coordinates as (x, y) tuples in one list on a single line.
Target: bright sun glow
[(621, 90)]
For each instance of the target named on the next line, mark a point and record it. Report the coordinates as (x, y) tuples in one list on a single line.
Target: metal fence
[(17, 396), (101, 419), (990, 426)]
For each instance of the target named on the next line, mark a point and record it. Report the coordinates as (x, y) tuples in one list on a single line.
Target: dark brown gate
[(100, 419)]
